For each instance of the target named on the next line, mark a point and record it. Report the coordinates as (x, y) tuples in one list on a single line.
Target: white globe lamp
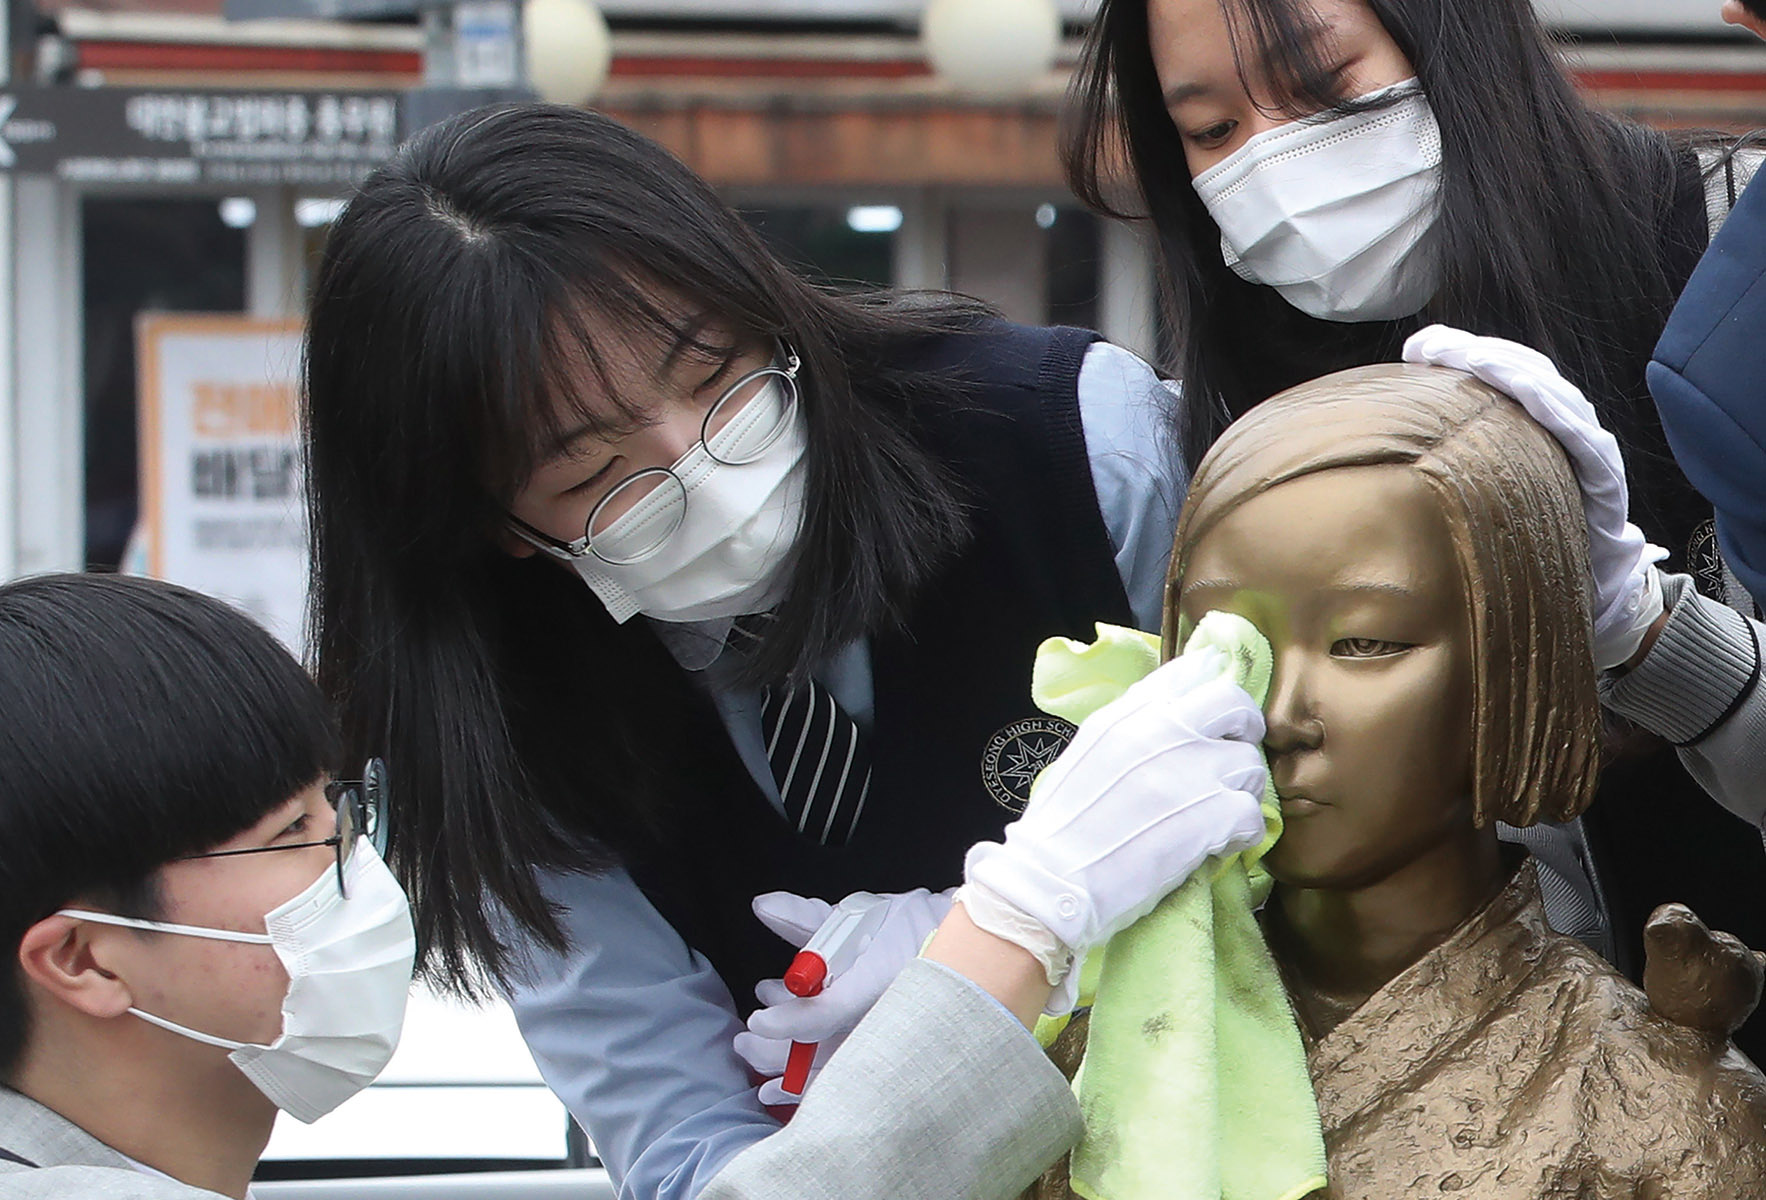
[(569, 49), (991, 47)]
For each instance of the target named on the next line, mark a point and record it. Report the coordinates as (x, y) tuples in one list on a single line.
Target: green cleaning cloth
[(1194, 1085)]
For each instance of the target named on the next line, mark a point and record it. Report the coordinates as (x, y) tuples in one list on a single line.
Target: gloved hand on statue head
[(1627, 590)]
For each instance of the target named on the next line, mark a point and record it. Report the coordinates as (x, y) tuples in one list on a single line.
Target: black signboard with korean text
[(236, 138)]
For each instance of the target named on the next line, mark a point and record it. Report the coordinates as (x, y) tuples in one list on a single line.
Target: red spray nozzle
[(807, 973)]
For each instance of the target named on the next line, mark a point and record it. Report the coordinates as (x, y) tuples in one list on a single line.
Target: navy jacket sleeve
[(1709, 383)]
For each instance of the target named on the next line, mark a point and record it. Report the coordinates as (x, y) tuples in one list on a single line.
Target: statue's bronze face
[(1351, 575)]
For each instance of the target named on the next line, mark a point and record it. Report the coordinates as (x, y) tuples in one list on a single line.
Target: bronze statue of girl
[(1411, 545)]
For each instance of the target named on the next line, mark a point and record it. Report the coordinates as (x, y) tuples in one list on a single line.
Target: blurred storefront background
[(157, 156)]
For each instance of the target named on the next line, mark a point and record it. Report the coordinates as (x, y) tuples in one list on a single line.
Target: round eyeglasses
[(641, 512), (360, 805)]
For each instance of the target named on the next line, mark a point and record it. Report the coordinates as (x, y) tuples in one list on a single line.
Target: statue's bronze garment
[(1511, 1062)]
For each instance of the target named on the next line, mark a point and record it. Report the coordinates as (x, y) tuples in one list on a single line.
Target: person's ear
[(63, 956)]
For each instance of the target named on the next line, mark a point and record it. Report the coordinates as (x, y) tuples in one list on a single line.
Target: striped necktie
[(819, 760)]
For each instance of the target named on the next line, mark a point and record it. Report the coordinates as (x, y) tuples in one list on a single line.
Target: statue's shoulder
[(1677, 1104)]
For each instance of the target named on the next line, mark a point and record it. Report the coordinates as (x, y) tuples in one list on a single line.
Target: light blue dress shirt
[(632, 1029)]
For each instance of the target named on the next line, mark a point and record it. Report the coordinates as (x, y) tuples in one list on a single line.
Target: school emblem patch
[(1714, 577), (1704, 562), (1016, 755)]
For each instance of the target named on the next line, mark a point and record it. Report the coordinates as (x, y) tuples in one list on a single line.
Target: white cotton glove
[(1153, 783), (1627, 591), (827, 1018)]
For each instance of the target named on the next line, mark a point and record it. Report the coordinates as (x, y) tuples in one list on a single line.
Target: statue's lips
[(1295, 805)]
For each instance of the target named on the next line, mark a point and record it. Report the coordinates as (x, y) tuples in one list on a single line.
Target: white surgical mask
[(349, 964), (1336, 211), (738, 528)]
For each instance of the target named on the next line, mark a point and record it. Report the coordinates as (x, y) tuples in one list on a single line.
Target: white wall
[(1636, 16)]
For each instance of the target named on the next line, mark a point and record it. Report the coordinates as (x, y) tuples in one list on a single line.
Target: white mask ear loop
[(195, 1035), (217, 935)]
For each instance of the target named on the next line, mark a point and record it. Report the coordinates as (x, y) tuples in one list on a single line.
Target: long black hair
[(1555, 226), (459, 289)]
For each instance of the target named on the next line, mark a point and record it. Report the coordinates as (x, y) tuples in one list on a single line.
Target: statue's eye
[(1363, 647)]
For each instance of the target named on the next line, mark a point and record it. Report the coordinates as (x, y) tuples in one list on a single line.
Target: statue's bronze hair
[(1515, 516)]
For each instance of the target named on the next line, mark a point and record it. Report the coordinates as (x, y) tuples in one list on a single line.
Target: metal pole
[(439, 67), (48, 412), (9, 443), (471, 56), (1127, 295), (922, 244)]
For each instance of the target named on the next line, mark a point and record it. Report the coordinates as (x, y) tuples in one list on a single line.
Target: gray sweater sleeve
[(1700, 687), (939, 1093)]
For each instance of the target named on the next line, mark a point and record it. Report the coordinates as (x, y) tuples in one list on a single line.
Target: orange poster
[(221, 502)]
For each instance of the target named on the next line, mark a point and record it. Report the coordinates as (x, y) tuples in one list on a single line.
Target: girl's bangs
[(573, 378), (1279, 41)]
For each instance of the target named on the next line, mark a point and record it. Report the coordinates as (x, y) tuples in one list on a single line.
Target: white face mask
[(349, 966), (1336, 212), (724, 561)]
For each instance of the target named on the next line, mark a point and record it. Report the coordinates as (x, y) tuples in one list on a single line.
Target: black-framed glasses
[(360, 805), (641, 512)]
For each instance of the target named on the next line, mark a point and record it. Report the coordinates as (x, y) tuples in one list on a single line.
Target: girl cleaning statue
[(1411, 546)]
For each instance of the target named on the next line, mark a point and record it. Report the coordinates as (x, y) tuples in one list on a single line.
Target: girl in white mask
[(655, 568), (200, 931), (1329, 176)]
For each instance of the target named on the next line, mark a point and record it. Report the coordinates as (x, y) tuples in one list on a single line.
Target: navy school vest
[(952, 688)]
